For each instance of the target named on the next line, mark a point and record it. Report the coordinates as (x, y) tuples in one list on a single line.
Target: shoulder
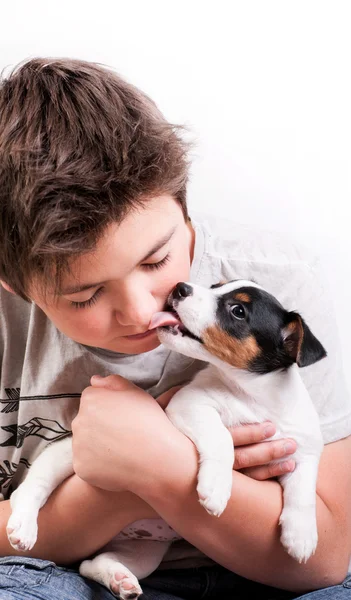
[(294, 274), (226, 250), (14, 314), (230, 240), (289, 270)]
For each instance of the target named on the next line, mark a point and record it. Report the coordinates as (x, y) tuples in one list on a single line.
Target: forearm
[(245, 539), (77, 520)]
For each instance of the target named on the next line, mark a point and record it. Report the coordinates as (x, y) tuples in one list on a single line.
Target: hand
[(254, 458), (166, 397), (119, 435)]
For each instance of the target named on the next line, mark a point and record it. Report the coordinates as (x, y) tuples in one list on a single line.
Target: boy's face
[(109, 297)]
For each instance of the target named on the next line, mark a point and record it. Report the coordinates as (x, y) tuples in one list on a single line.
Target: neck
[(263, 388)]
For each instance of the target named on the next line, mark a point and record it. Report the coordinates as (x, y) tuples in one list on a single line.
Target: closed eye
[(159, 264), (89, 302)]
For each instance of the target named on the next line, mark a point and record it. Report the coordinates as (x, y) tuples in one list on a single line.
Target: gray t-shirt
[(43, 372)]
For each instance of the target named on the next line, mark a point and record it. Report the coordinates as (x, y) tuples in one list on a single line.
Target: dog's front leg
[(298, 519), (202, 424), (51, 467)]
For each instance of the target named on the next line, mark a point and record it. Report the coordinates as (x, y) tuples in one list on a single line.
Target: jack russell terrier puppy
[(254, 348)]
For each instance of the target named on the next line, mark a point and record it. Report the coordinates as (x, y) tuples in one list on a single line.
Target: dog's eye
[(238, 311)]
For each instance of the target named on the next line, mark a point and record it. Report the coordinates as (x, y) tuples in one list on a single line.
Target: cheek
[(82, 325)]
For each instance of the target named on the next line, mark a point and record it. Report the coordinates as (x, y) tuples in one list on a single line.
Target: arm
[(77, 520), (245, 538), (88, 518)]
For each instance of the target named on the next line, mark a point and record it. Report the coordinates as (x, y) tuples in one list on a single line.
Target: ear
[(6, 287), (300, 343)]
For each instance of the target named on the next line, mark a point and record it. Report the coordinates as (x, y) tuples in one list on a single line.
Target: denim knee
[(18, 572), (29, 578)]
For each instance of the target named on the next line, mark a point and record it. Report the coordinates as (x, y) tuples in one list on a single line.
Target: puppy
[(253, 347)]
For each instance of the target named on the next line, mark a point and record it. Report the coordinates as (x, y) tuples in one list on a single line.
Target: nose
[(182, 290), (136, 311)]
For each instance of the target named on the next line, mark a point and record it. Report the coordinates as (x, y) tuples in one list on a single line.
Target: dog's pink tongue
[(162, 319)]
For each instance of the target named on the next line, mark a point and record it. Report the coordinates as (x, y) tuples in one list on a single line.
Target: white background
[(264, 86)]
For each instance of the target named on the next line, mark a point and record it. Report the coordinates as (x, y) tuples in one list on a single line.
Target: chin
[(146, 346), (137, 346)]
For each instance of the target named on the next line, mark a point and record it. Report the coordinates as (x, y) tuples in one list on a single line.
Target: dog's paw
[(118, 579), (299, 534), (22, 531), (214, 486), (125, 586)]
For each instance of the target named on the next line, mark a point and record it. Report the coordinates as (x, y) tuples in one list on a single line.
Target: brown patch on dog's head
[(236, 352), (219, 284), (293, 335), (300, 343), (242, 297)]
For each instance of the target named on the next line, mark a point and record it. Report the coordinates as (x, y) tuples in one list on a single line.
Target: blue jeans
[(34, 579)]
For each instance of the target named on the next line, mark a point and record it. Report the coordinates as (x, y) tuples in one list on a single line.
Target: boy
[(94, 234)]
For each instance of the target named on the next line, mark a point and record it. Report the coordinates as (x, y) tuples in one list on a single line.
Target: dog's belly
[(149, 529), (243, 414)]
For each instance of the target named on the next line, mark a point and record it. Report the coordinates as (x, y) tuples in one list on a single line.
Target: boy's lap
[(212, 583), (24, 578), (34, 579), (337, 592), (31, 578)]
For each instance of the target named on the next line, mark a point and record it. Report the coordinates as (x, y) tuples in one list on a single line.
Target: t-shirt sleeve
[(325, 380)]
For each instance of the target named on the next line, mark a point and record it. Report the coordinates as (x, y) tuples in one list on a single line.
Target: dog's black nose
[(182, 290)]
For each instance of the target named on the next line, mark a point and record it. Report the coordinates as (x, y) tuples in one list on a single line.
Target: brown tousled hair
[(79, 148)]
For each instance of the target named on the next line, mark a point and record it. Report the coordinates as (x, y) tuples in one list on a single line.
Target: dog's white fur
[(220, 396)]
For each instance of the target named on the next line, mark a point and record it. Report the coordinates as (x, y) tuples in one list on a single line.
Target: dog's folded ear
[(300, 343)]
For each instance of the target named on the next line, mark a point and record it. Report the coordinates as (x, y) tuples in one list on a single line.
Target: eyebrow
[(86, 286)]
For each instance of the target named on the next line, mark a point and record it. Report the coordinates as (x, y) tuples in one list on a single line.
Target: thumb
[(112, 382)]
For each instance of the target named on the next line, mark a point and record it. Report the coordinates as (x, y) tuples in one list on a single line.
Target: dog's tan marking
[(242, 297), (294, 338), (238, 353)]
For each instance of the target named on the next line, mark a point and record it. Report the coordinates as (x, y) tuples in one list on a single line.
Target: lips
[(139, 336)]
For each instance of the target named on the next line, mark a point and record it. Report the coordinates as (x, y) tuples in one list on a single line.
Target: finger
[(112, 382), (251, 434), (262, 454), (270, 471), (166, 397)]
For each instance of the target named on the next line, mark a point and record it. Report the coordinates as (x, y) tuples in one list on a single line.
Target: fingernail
[(289, 447), (287, 466), (269, 431), (97, 377)]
